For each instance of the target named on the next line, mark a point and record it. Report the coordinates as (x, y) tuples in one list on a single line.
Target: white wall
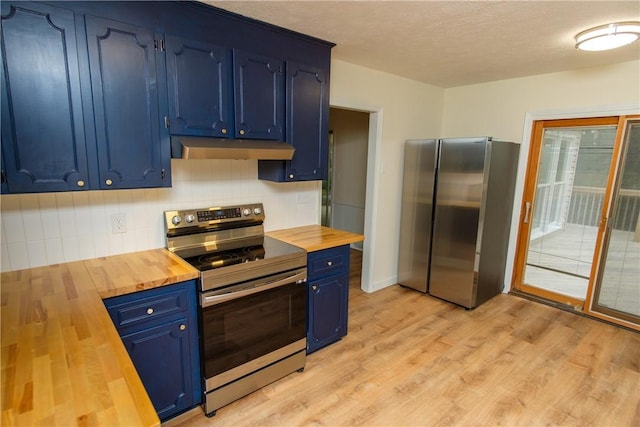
[(49, 228), (498, 108), (404, 109), (504, 109)]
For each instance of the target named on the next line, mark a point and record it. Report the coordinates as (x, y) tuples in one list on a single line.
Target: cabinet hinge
[(162, 174), (3, 177), (158, 45), (166, 122)]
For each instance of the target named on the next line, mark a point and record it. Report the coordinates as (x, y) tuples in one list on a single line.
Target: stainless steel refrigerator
[(457, 200)]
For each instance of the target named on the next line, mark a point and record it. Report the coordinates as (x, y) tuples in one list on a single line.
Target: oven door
[(249, 326)]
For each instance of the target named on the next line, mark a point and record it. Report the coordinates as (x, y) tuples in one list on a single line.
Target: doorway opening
[(344, 191)]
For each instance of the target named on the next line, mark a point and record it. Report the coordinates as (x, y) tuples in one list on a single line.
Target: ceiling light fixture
[(609, 36)]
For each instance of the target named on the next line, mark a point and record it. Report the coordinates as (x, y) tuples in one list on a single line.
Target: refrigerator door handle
[(527, 208)]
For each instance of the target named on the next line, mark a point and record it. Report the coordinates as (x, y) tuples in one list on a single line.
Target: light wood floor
[(410, 359)]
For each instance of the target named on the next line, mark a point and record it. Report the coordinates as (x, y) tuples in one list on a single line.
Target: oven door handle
[(297, 277)]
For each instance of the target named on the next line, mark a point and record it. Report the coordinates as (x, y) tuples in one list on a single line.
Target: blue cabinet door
[(161, 356), (200, 91), (328, 305), (43, 139), (307, 108), (258, 96), (307, 122), (159, 330), (127, 83)]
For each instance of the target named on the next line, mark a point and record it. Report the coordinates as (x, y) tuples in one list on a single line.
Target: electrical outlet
[(118, 223)]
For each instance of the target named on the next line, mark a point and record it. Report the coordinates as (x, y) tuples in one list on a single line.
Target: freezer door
[(417, 213), (457, 217)]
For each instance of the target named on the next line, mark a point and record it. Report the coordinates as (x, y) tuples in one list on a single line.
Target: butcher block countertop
[(63, 363), (316, 237)]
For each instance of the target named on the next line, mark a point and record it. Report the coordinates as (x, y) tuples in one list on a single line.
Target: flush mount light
[(609, 36)]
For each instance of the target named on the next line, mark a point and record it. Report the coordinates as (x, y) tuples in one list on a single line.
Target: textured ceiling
[(451, 43)]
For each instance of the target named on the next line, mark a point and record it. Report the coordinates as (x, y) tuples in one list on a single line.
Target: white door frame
[(371, 193), (530, 117)]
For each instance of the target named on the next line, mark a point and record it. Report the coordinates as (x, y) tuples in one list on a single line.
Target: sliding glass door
[(617, 286), (579, 237)]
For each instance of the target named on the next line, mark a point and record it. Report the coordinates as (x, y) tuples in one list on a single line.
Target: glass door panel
[(566, 207), (617, 289), (572, 179)]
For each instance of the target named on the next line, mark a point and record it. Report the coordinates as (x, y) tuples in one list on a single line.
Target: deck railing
[(586, 206)]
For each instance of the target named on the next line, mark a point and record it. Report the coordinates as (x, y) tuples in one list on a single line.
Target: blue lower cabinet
[(160, 356), (328, 296), (159, 330)]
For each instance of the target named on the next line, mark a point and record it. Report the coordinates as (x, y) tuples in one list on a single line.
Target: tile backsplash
[(49, 228)]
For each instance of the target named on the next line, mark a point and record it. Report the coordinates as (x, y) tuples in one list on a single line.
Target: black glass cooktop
[(225, 258), (269, 250)]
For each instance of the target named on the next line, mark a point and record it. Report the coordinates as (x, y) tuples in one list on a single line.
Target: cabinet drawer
[(328, 261), (132, 309)]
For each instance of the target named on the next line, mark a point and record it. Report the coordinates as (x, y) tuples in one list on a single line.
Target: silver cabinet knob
[(149, 310), (80, 183), (223, 131), (241, 132), (108, 182), (314, 288), (329, 263), (183, 327), (290, 176)]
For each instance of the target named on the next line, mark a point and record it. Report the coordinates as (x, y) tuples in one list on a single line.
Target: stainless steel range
[(252, 299)]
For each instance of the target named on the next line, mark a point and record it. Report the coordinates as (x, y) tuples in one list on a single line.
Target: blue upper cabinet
[(307, 121), (43, 139), (307, 90), (92, 90), (127, 76), (259, 96), (199, 84)]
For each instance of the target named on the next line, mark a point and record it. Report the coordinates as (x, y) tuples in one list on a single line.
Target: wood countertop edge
[(77, 280), (116, 275), (315, 237)]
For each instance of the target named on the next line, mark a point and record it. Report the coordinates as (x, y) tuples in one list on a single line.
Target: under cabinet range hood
[(189, 147)]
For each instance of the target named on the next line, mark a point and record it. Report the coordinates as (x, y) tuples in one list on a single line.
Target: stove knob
[(257, 211), (246, 212), (190, 218), (176, 220)]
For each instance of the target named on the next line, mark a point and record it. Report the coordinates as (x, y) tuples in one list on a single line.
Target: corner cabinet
[(127, 75), (328, 296), (43, 137), (307, 127), (159, 330)]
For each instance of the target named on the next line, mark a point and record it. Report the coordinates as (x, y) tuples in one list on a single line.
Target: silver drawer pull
[(149, 310)]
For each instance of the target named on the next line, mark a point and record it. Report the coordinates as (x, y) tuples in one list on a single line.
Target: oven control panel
[(205, 217)]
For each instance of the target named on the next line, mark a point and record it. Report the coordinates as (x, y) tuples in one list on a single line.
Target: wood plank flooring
[(412, 360)]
